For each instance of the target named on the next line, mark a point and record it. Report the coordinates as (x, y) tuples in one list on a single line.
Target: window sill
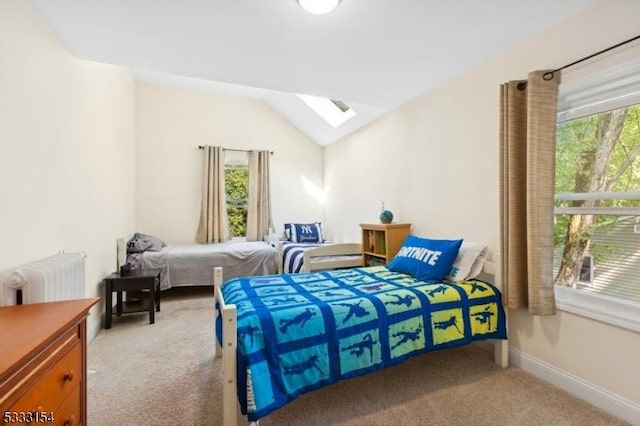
[(599, 307)]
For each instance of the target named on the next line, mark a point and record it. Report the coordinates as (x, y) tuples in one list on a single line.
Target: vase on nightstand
[(385, 215)]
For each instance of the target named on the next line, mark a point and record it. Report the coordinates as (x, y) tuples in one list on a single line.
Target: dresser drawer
[(41, 344), (56, 384), (68, 414)]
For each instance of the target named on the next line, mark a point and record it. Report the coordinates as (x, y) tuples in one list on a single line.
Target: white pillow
[(469, 262)]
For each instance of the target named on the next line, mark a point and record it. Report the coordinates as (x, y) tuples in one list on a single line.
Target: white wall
[(66, 149), (435, 163), (172, 122)]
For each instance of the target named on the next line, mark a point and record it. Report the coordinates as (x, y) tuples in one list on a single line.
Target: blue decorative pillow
[(304, 232), (425, 259)]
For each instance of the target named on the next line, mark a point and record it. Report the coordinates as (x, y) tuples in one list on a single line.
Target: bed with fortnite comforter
[(300, 332)]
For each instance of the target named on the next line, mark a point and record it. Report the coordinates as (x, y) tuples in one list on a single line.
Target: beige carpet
[(165, 374)]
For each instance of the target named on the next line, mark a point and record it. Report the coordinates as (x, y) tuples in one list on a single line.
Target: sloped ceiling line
[(375, 56)]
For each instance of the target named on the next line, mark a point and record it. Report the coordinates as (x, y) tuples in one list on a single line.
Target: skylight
[(334, 112)]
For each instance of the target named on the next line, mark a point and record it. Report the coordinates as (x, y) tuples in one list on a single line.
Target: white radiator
[(59, 277)]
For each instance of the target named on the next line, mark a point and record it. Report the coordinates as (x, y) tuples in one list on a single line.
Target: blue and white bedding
[(293, 255), (300, 332)]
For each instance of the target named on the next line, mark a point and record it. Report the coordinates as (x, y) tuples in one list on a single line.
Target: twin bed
[(287, 334), (284, 334), (192, 264), (293, 260)]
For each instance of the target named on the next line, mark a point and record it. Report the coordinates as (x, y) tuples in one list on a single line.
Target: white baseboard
[(627, 410), (94, 327)]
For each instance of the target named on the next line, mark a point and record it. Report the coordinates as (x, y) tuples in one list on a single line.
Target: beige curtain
[(259, 220), (214, 225), (527, 174)]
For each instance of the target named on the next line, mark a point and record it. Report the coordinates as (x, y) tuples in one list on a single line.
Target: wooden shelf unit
[(381, 241)]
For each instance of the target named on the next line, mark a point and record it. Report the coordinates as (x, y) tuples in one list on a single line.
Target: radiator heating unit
[(59, 277)]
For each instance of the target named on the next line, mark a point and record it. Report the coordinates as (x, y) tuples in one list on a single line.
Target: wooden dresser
[(43, 363)]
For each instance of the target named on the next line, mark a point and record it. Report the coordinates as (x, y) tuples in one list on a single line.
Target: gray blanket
[(192, 265)]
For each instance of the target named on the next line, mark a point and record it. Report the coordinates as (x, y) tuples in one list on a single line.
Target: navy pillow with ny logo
[(304, 232)]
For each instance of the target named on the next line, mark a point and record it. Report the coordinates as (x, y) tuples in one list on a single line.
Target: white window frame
[(600, 307), (613, 87)]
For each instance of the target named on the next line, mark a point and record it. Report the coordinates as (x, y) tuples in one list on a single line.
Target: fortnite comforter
[(299, 332)]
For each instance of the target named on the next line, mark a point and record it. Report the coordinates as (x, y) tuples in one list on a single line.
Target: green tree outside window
[(237, 192), (594, 154)]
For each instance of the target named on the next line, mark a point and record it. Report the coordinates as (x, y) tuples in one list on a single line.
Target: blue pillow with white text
[(304, 232), (425, 259)]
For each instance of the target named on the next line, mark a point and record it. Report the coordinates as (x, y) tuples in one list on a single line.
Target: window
[(236, 174), (597, 251), (334, 112), (586, 271)]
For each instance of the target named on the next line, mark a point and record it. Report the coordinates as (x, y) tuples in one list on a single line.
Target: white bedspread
[(192, 264)]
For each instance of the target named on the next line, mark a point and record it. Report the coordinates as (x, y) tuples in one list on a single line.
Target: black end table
[(147, 280)]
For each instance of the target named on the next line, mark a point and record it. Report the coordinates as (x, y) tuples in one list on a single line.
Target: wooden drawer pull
[(69, 421), (68, 376)]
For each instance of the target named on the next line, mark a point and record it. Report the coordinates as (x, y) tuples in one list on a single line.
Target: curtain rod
[(549, 75), (236, 150)]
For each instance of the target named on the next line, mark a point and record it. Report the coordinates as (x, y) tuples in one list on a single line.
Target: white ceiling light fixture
[(318, 7)]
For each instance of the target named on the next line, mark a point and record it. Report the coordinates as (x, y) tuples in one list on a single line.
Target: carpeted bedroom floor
[(165, 374)]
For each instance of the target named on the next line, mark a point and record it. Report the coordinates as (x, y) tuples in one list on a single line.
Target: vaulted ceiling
[(375, 55)]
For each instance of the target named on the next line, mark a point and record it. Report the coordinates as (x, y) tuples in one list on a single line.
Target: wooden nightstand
[(381, 241), (145, 280)]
